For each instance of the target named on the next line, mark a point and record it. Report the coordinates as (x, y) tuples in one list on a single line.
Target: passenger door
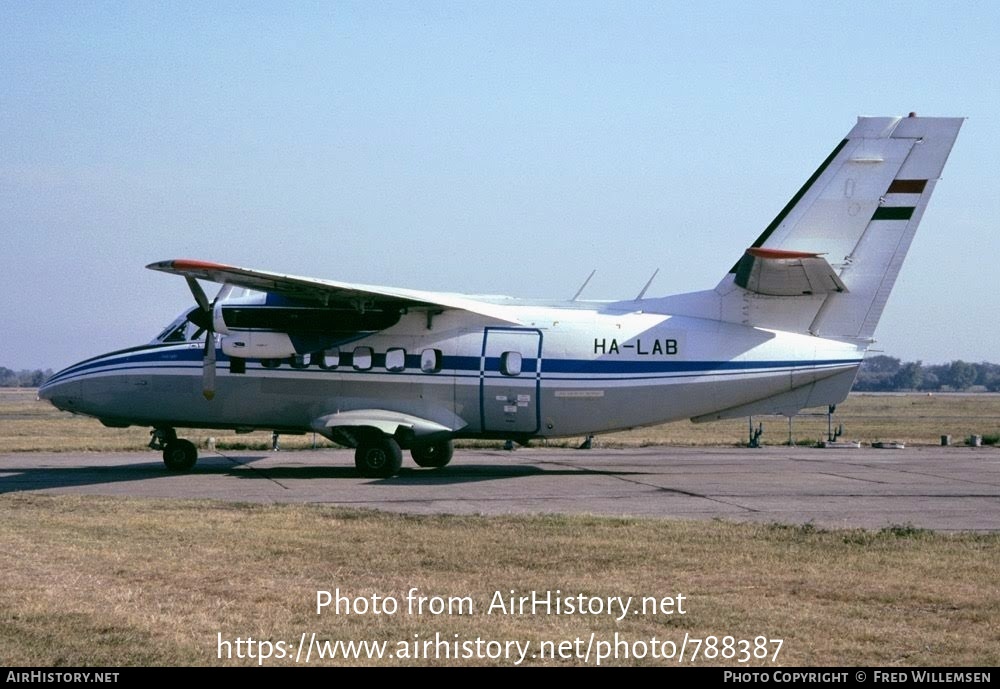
[(510, 378)]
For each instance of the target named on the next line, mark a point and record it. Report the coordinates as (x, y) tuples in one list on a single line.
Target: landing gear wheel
[(180, 455), (433, 455), (378, 458)]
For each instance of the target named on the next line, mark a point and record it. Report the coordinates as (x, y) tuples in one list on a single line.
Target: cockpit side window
[(181, 330), (176, 335)]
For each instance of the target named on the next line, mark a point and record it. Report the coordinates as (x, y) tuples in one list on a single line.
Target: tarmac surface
[(939, 488)]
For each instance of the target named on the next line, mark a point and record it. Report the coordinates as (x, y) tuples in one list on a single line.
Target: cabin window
[(395, 359), (510, 363), (430, 360), (300, 361), (328, 359), (362, 360)]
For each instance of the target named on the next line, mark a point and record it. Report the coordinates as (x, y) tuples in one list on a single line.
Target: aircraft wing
[(329, 292)]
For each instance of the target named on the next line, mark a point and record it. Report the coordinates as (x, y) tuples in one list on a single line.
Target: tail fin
[(826, 264)]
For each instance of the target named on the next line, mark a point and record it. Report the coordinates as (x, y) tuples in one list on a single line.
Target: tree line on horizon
[(888, 374), (879, 373), (23, 378)]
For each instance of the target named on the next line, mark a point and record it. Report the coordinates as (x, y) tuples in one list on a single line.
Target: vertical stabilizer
[(828, 261)]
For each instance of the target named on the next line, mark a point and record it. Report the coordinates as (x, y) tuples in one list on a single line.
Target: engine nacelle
[(258, 344), (218, 320)]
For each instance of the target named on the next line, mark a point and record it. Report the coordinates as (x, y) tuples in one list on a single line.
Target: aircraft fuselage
[(565, 372)]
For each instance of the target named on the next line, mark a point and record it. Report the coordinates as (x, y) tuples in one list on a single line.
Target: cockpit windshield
[(181, 330)]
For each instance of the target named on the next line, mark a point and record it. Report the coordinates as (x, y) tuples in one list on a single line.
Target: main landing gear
[(178, 454), (379, 456), (433, 455)]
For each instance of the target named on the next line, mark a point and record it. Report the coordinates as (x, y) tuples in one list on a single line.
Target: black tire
[(433, 455), (378, 457), (180, 455)]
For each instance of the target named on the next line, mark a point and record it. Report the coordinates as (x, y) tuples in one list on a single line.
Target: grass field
[(119, 581), (105, 581), (27, 424)]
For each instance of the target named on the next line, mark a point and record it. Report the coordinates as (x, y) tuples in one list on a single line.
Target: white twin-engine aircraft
[(382, 369)]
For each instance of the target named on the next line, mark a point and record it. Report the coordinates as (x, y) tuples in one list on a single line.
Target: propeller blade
[(204, 319), (199, 294), (208, 367)]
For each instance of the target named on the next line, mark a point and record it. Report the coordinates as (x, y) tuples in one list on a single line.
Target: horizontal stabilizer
[(782, 273)]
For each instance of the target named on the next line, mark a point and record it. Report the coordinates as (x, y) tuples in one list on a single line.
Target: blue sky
[(476, 147)]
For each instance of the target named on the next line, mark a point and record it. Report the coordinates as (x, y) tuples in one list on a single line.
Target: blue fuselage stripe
[(561, 369)]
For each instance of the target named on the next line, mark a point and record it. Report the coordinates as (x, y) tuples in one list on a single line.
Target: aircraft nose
[(62, 394)]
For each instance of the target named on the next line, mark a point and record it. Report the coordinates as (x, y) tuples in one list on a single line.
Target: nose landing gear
[(178, 454)]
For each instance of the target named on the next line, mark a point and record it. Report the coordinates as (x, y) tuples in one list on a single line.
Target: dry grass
[(919, 419), (111, 581)]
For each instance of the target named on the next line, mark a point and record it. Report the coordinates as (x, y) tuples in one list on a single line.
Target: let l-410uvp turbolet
[(381, 368)]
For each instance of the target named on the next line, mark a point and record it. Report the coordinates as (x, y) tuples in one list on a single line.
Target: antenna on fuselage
[(648, 283), (584, 284)]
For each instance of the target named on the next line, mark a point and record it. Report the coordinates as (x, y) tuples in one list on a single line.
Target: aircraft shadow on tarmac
[(411, 476), (423, 477), (20, 479)]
